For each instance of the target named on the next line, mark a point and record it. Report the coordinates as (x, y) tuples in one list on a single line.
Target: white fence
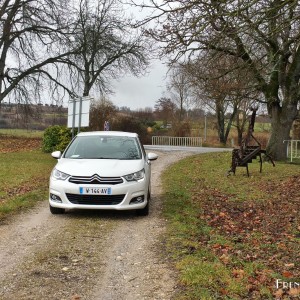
[(293, 149), (177, 141)]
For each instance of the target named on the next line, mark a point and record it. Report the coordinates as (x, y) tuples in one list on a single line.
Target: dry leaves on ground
[(262, 231), (14, 144)]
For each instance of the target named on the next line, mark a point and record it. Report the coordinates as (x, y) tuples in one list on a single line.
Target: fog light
[(55, 198), (136, 200)]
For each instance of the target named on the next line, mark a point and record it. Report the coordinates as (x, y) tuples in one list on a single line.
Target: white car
[(102, 170)]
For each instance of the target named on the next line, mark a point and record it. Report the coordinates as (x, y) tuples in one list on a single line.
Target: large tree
[(264, 34), (33, 35), (109, 44), (62, 46)]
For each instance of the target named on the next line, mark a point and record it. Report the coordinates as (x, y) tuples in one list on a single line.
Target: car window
[(104, 147)]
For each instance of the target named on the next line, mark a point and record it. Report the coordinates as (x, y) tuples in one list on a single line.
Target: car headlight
[(59, 175), (135, 176)]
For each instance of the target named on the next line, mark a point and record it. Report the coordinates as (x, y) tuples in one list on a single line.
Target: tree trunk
[(281, 123), (222, 137), (240, 126), (221, 127), (232, 116)]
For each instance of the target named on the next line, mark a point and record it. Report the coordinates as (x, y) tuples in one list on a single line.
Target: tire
[(56, 210), (144, 211)]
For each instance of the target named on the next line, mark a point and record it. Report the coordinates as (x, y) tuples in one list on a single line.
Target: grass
[(22, 133), (262, 127), (230, 237), (23, 180)]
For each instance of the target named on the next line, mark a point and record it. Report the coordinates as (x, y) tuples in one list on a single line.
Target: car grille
[(95, 199), (95, 179)]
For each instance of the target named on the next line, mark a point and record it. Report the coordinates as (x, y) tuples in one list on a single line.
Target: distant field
[(22, 133)]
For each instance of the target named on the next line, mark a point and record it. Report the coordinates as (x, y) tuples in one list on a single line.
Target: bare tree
[(109, 45), (101, 111), (165, 109), (179, 87), (221, 89), (33, 35), (264, 34), (62, 46)]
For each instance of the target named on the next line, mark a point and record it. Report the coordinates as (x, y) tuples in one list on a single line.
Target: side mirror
[(56, 154), (152, 156)]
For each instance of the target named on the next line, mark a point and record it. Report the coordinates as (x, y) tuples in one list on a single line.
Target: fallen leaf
[(287, 274), (225, 259), (223, 291), (238, 273), (291, 265), (294, 292), (278, 294)]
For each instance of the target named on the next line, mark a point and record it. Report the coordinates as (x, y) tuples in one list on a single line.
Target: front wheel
[(56, 210), (144, 211)]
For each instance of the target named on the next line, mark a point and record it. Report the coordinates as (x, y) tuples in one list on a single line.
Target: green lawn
[(228, 237), (23, 179), (232, 237)]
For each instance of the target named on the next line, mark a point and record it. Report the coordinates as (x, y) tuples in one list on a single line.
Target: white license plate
[(95, 190)]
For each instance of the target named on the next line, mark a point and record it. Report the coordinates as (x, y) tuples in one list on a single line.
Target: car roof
[(108, 133)]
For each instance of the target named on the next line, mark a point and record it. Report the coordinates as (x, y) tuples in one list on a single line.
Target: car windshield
[(104, 147)]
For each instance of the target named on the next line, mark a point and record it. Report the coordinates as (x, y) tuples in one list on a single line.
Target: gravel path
[(88, 255)]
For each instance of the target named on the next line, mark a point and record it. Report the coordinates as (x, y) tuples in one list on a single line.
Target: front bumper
[(124, 196)]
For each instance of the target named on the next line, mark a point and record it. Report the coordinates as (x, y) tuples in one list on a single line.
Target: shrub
[(101, 111), (125, 123), (56, 138), (181, 128)]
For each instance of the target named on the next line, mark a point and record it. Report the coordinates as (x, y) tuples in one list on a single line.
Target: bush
[(181, 129), (129, 124), (56, 138)]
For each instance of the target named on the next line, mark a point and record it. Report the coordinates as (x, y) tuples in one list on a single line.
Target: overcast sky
[(141, 92)]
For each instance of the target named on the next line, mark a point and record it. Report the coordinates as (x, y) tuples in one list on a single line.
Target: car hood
[(102, 167)]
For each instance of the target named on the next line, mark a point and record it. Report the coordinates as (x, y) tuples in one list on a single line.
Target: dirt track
[(88, 255)]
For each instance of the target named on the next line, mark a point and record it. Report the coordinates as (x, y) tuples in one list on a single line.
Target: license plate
[(95, 190)]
